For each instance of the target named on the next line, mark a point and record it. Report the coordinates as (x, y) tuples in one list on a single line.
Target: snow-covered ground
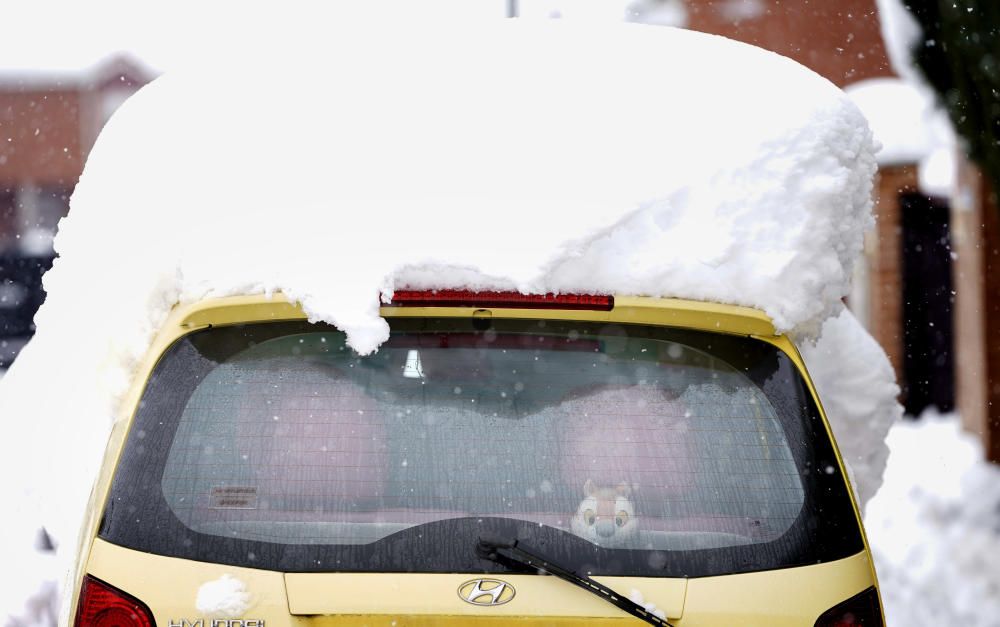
[(934, 527), (29, 588)]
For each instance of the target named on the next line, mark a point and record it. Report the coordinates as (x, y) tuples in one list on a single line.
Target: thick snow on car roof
[(530, 156), (540, 157)]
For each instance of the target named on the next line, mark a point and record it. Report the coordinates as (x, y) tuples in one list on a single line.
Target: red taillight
[(104, 606), (466, 298), (861, 610)]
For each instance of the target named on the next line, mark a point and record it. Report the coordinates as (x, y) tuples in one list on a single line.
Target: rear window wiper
[(507, 552)]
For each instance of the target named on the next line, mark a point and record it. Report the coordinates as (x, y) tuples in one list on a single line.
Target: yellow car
[(550, 460)]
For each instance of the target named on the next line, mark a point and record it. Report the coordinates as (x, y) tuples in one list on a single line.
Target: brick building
[(838, 39), (48, 123)]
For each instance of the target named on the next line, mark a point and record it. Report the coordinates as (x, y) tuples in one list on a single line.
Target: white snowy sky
[(67, 35), (64, 36)]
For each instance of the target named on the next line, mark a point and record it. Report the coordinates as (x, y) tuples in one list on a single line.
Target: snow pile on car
[(225, 597), (534, 160), (857, 385), (539, 157)]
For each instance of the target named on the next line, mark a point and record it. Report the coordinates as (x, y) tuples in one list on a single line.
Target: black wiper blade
[(509, 552)]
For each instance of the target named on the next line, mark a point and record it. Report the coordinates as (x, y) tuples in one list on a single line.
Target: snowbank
[(911, 129), (901, 33), (539, 157), (932, 143), (933, 527), (899, 114), (29, 586)]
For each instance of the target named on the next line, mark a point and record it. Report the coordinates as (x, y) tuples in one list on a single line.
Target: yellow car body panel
[(169, 586), (780, 598)]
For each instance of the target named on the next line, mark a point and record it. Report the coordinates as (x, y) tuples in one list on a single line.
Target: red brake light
[(104, 606), (467, 298), (861, 610)]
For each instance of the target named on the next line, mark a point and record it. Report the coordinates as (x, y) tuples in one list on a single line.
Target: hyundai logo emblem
[(486, 592)]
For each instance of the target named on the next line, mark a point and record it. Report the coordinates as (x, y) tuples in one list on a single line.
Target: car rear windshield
[(615, 449)]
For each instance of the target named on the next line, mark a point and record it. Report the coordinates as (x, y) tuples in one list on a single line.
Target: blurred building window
[(40, 209), (8, 211)]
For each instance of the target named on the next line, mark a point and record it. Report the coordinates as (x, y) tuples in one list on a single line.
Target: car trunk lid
[(331, 596)]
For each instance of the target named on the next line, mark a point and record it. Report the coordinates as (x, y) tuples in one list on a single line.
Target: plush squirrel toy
[(606, 517)]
